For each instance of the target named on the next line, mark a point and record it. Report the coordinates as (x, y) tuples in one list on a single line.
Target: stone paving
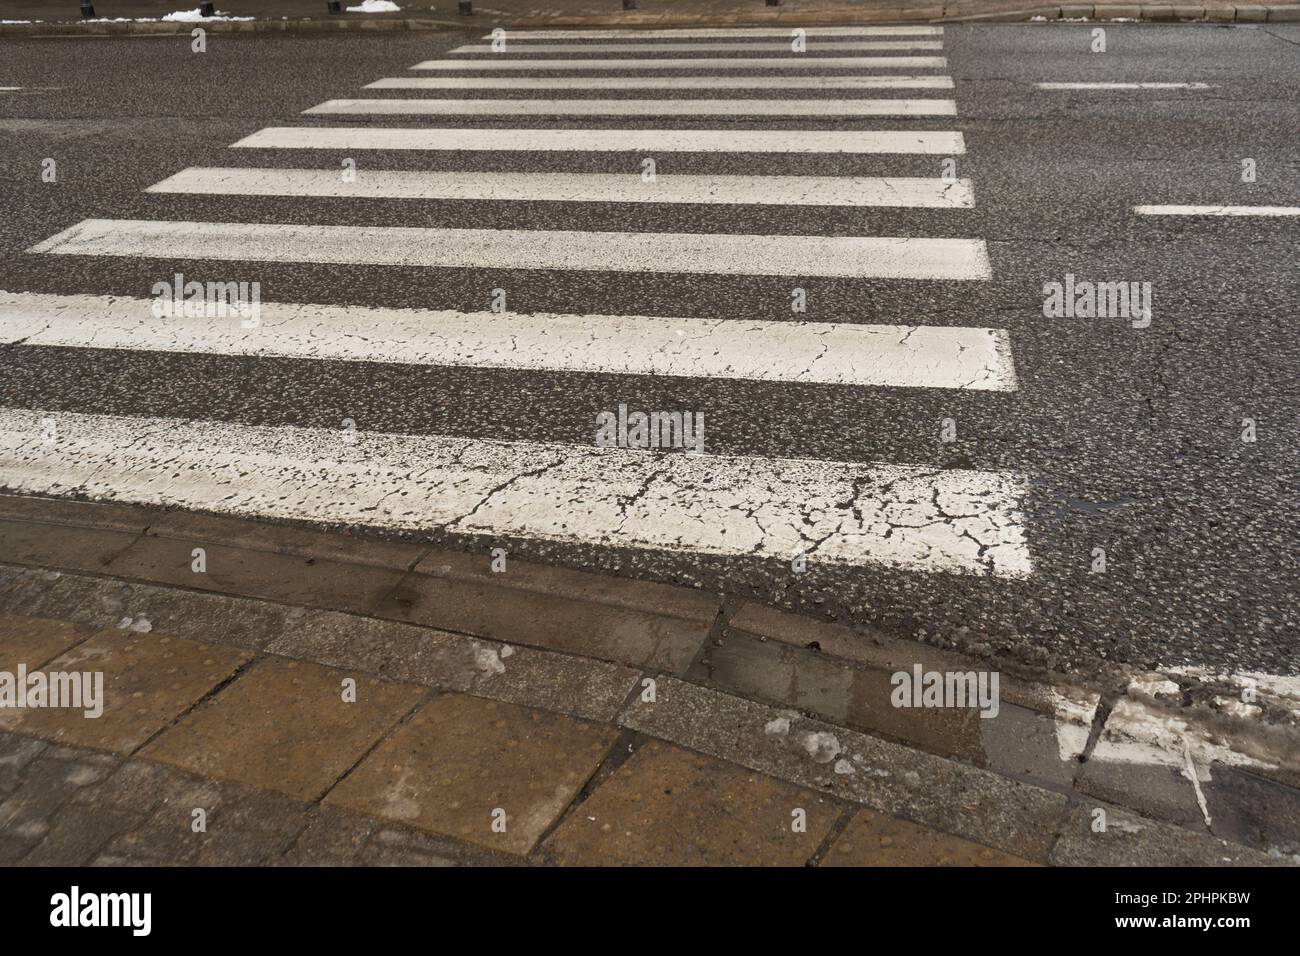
[(317, 698)]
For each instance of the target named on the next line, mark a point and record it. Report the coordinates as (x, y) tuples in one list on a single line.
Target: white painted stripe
[(1123, 86), (846, 46), (710, 33), (663, 83), (894, 191), (660, 252), (1217, 210), (909, 517), (942, 143), (828, 353), (731, 107), (695, 63), (9, 89)]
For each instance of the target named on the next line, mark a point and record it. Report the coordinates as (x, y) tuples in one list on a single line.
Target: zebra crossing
[(905, 516)]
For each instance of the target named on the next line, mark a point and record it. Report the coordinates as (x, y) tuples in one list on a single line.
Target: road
[(947, 458)]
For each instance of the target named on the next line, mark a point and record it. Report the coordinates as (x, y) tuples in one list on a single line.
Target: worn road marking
[(923, 356), (695, 63), (676, 107), (866, 82), (718, 32), (575, 187), (1123, 86), (892, 257), (857, 514), (846, 46), (942, 143), (1217, 210)]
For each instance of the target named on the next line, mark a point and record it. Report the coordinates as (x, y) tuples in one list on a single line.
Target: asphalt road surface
[(947, 458)]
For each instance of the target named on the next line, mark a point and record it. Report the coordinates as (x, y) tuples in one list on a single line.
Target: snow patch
[(823, 747), (194, 16), (375, 6), (777, 727)]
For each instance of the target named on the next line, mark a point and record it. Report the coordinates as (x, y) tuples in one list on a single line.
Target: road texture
[(1071, 434)]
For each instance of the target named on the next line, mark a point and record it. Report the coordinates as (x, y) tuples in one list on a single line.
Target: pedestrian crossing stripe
[(855, 514), (858, 257), (716, 32), (901, 356), (894, 191), (653, 141), (741, 47), (625, 107), (864, 82), (803, 62)]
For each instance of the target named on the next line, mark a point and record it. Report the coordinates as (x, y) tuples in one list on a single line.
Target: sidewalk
[(284, 696), (444, 14)]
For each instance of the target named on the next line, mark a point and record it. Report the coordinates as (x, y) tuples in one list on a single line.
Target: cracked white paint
[(648, 252), (696, 63), (1139, 733), (828, 353), (936, 142), (397, 106), (838, 512), (862, 82), (896, 191), (1283, 691)]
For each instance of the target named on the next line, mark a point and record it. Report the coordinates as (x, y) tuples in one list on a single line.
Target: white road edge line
[(856, 514), (1217, 210), (858, 257), (896, 356), (890, 191), (1123, 86)]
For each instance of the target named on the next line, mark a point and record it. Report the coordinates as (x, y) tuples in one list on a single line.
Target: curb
[(402, 611), (1288, 13)]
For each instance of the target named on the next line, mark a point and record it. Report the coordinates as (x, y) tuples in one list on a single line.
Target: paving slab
[(1250, 809), (31, 641), (874, 839), (405, 652), (993, 810), (105, 602), (461, 761), (284, 726), (669, 807), (148, 681), (1131, 840)]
